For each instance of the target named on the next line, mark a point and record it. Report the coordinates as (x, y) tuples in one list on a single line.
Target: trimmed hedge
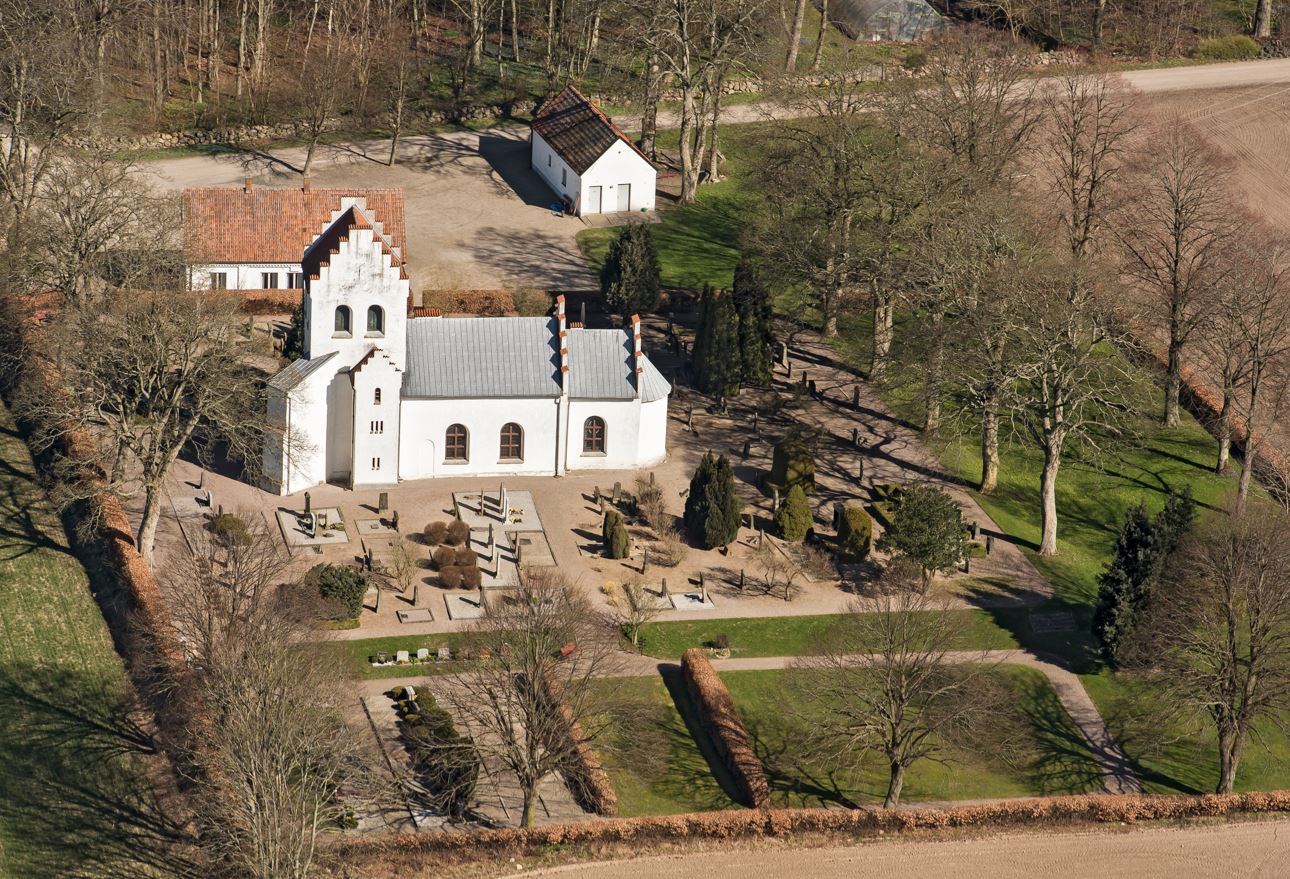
[(444, 757), (401, 851), (725, 726), (587, 779), (855, 534)]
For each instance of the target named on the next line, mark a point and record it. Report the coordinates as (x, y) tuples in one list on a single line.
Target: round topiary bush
[(471, 578), (443, 557), (464, 557), (434, 533), (457, 533), (451, 577)]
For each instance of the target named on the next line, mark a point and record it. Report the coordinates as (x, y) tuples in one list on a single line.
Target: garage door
[(624, 196), (593, 200)]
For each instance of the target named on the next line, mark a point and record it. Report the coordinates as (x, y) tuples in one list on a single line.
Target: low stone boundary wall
[(399, 854), (587, 779), (725, 726)]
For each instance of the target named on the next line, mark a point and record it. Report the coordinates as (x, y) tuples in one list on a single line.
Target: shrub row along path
[(477, 214), (1255, 848), (1118, 777)]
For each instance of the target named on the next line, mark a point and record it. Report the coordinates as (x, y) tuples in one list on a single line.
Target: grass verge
[(1029, 747), (75, 799)]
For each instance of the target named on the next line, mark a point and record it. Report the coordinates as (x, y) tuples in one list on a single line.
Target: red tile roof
[(259, 225), (577, 130)]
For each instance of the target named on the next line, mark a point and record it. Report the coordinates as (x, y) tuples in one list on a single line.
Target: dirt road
[(1254, 849)]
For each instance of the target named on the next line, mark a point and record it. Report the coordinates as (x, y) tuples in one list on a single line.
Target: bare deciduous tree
[(146, 374), (506, 697), (1216, 637), (272, 762), (633, 606), (1172, 227), (886, 681)]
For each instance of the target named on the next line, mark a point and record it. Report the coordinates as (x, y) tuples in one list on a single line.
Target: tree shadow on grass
[(1062, 761), (76, 799)]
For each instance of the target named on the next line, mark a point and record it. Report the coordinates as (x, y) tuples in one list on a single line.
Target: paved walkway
[(1118, 777)]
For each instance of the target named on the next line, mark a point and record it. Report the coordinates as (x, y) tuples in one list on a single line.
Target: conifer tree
[(1128, 581), (712, 506), (753, 306), (793, 518), (629, 278), (717, 365), (613, 532)]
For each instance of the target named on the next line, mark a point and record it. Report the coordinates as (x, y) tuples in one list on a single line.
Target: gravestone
[(382, 502)]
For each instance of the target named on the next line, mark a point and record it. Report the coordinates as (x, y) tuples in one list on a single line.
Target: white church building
[(381, 396), (587, 160)]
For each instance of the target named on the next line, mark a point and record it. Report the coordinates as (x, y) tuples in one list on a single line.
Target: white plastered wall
[(242, 276), (620, 164), (376, 426), (424, 423), (549, 165)]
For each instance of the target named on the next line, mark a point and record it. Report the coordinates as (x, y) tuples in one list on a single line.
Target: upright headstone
[(743, 579), (855, 397), (308, 502), (815, 392), (967, 564), (855, 436), (989, 544), (394, 520), (662, 590), (651, 477), (584, 312), (974, 527), (774, 498), (703, 589), (618, 490), (382, 502), (756, 417), (747, 449), (644, 560), (416, 593)]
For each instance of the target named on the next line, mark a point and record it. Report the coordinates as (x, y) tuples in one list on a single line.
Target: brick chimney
[(247, 184), (638, 358), (563, 326)]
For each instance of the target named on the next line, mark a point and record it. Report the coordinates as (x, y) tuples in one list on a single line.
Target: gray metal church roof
[(289, 379), (482, 357), (600, 367)]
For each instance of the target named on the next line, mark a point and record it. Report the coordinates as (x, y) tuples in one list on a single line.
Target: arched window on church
[(512, 442), (376, 396), (376, 319), (593, 436), (456, 443), (343, 320)]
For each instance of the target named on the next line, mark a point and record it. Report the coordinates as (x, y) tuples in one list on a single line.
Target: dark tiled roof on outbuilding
[(577, 130)]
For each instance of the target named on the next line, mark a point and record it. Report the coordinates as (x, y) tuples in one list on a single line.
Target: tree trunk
[(1099, 18), (1225, 433), (147, 535), (1048, 493), (795, 36), (1263, 20), (1173, 382), (688, 181), (935, 370), (649, 114), (309, 154), (530, 807), (1230, 744), (895, 783), (1247, 472), (990, 443), (882, 332), (515, 31), (243, 14), (819, 38)]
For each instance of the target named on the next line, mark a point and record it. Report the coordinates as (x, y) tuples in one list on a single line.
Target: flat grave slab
[(692, 600), (293, 532), (374, 527), (520, 513), (1051, 622), (464, 605), (416, 615)]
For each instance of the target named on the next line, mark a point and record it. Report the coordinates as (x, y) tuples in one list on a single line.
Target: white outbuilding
[(587, 160), (382, 394)]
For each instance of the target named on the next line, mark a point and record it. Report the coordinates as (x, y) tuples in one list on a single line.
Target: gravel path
[(1254, 849)]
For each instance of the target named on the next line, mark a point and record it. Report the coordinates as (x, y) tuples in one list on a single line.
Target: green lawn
[(655, 760), (1181, 755), (74, 798), (355, 655), (1030, 747), (995, 629)]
